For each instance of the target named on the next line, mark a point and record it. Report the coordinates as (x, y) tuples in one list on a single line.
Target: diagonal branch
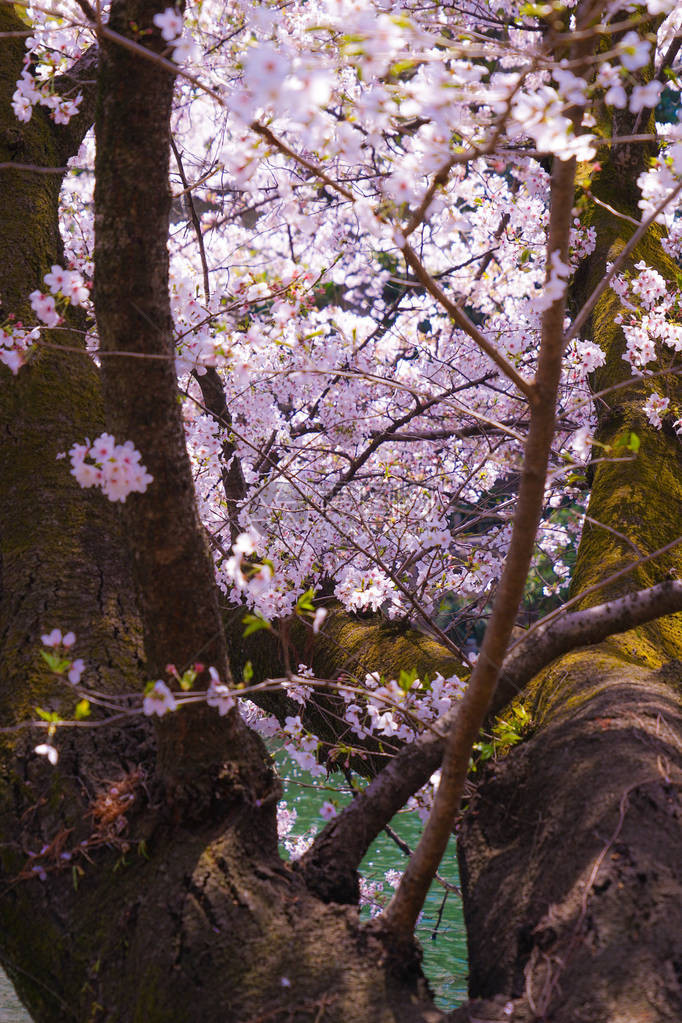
[(582, 628), (402, 912), (465, 324), (330, 865)]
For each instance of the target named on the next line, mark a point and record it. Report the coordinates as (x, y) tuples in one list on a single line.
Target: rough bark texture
[(172, 910), (569, 851), (161, 910)]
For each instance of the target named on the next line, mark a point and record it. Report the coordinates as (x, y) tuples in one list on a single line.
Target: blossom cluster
[(62, 642), (652, 315), (66, 287), (116, 469), (16, 342), (28, 94)]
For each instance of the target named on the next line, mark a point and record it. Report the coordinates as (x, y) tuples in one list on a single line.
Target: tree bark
[(154, 908), (568, 851)]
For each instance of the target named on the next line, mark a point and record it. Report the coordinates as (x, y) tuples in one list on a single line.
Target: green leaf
[(247, 674), (406, 678), (82, 709), (54, 662), (48, 715), (402, 65), (254, 623), (305, 602), (188, 679)]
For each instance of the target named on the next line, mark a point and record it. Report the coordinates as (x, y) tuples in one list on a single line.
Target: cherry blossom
[(45, 308), (55, 638), (170, 23), (116, 468), (158, 699), (634, 51), (654, 408), (45, 749), (218, 694)]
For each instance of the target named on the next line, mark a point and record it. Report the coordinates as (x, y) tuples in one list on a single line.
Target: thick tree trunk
[(148, 910), (569, 849)]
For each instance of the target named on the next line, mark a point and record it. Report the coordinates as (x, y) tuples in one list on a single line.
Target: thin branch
[(618, 263), (31, 168), (406, 849), (269, 136), (611, 209), (465, 324), (194, 217), (401, 914)]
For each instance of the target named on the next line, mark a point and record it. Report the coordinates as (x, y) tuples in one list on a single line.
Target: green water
[(441, 927)]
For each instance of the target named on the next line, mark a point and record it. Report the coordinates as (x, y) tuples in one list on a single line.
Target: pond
[(441, 927)]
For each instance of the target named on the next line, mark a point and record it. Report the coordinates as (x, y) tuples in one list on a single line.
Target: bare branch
[(31, 168), (403, 910), (464, 323), (582, 628)]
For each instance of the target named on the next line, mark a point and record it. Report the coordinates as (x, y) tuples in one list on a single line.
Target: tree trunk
[(151, 908), (569, 849)]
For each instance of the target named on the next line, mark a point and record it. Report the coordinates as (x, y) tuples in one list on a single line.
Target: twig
[(618, 263), (465, 324)]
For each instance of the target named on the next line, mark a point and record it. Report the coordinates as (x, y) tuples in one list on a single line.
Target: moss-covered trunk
[(569, 849), (120, 902)]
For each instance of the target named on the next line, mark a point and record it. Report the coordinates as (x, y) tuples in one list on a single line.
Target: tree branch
[(402, 912), (387, 434), (581, 628), (330, 865), (464, 323)]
